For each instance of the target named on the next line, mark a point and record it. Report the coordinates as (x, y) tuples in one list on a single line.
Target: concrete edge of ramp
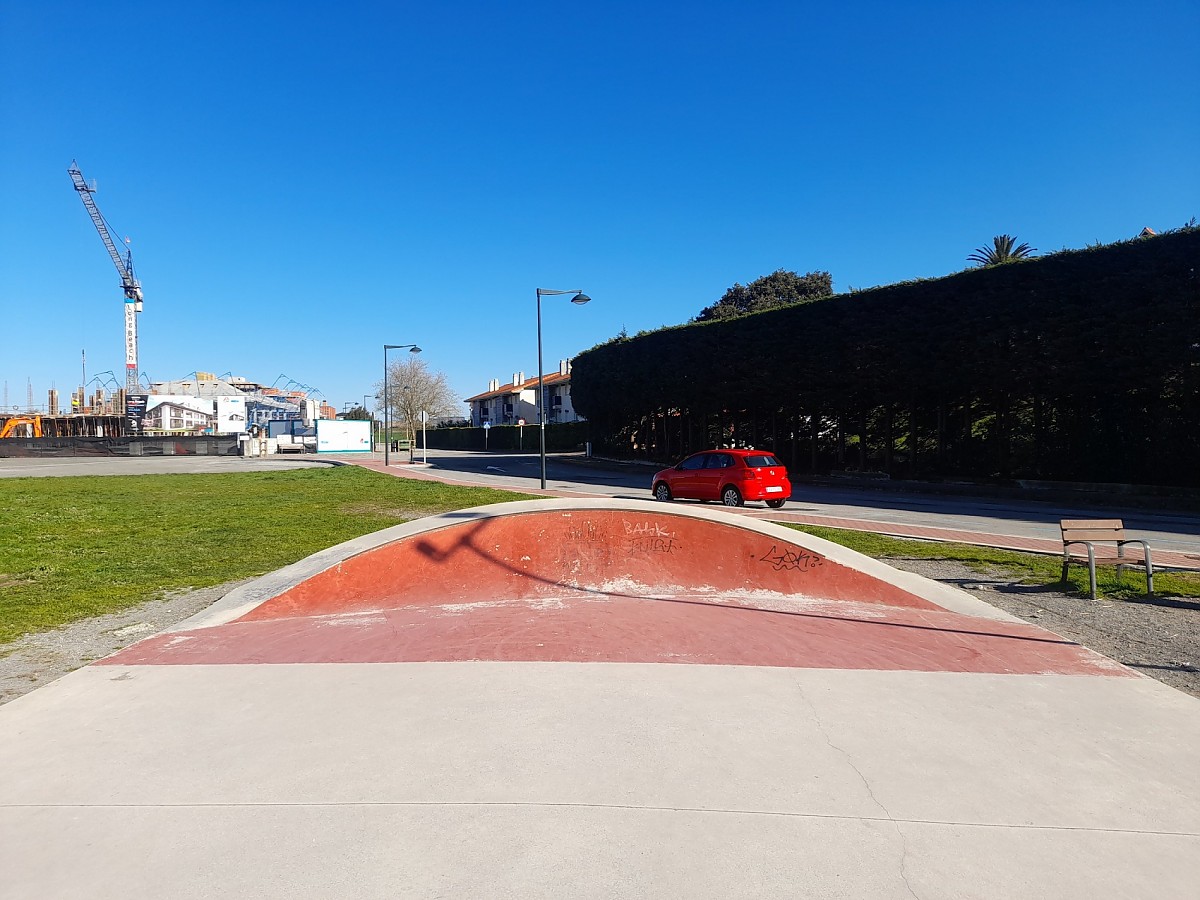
[(248, 597)]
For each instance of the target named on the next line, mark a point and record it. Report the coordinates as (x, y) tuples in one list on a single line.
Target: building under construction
[(37, 426), (196, 406)]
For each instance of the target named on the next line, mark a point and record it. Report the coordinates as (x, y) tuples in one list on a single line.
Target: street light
[(580, 298), (412, 348), (370, 417)]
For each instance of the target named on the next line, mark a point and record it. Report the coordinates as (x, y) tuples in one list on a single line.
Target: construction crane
[(129, 282)]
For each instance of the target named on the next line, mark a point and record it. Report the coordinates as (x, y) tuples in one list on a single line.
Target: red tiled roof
[(550, 379)]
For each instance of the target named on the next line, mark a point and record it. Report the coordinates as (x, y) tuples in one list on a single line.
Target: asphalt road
[(51, 467)]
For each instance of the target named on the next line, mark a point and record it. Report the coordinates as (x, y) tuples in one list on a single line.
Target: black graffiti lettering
[(794, 560), (653, 545)]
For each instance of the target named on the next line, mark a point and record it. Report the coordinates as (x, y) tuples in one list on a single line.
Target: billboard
[(177, 414), (231, 415), (135, 410), (343, 436)]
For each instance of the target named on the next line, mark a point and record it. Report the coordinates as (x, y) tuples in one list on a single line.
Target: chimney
[(564, 367), (494, 385), (517, 379)]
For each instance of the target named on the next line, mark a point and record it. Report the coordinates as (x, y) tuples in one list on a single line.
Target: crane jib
[(129, 284)]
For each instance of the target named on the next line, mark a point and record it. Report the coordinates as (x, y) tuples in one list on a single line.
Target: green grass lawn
[(71, 548), (1025, 568)]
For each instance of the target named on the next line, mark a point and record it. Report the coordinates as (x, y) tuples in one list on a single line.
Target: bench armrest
[(1145, 548), (1091, 547)]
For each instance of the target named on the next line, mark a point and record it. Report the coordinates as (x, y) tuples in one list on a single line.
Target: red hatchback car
[(731, 476)]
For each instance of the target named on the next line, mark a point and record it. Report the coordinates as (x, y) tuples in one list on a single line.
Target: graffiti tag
[(653, 529), (587, 533), (653, 544), (794, 560)]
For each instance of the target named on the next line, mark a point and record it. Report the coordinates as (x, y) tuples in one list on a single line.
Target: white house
[(507, 404)]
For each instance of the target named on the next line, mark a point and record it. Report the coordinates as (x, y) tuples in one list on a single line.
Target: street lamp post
[(370, 418), (412, 348), (580, 298)]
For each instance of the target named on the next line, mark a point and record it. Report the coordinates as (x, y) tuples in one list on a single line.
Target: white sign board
[(343, 436), (231, 415)]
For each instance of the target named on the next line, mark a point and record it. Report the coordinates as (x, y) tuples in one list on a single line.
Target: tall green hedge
[(560, 436), (1079, 366)]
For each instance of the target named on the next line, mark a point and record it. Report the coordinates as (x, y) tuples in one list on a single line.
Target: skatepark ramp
[(607, 581)]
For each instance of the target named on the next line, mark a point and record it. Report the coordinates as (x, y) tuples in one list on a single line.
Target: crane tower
[(129, 282)]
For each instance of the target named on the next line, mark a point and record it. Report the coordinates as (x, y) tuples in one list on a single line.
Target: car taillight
[(750, 475)]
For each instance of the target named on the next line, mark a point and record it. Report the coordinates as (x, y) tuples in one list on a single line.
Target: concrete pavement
[(778, 716)]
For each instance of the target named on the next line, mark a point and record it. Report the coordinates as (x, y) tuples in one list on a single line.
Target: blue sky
[(304, 182)]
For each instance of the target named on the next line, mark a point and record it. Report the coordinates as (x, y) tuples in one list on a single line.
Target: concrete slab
[(853, 732), (489, 779)]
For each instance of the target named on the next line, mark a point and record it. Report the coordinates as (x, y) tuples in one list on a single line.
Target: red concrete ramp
[(609, 581)]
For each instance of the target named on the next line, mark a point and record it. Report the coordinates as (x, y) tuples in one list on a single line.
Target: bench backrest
[(1092, 530)]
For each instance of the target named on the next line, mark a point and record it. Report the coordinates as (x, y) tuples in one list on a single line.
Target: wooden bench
[(1089, 533)]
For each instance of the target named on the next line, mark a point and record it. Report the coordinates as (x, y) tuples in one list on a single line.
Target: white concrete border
[(241, 600)]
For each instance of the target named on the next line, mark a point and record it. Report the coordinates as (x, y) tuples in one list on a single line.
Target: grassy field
[(1025, 568), (71, 548)]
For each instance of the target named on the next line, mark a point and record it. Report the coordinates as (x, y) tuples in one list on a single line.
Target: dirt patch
[(1159, 637), (37, 659)]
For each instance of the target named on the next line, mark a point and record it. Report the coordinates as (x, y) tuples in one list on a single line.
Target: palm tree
[(1003, 251)]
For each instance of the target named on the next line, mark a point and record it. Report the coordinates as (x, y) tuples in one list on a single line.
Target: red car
[(731, 476)]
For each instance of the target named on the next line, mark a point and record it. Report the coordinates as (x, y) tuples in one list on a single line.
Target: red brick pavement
[(1165, 559)]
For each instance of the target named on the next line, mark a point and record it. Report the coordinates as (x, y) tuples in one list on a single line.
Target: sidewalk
[(1163, 559)]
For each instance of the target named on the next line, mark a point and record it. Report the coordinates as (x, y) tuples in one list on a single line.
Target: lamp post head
[(414, 349), (580, 298)]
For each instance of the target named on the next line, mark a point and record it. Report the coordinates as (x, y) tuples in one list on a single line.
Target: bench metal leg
[(1092, 569)]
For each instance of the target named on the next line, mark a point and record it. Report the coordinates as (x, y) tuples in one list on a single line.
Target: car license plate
[(774, 489)]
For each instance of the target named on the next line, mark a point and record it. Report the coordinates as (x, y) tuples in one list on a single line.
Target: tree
[(1002, 251), (780, 288), (359, 412), (413, 388)]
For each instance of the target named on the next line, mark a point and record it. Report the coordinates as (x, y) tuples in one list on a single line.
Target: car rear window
[(762, 461)]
